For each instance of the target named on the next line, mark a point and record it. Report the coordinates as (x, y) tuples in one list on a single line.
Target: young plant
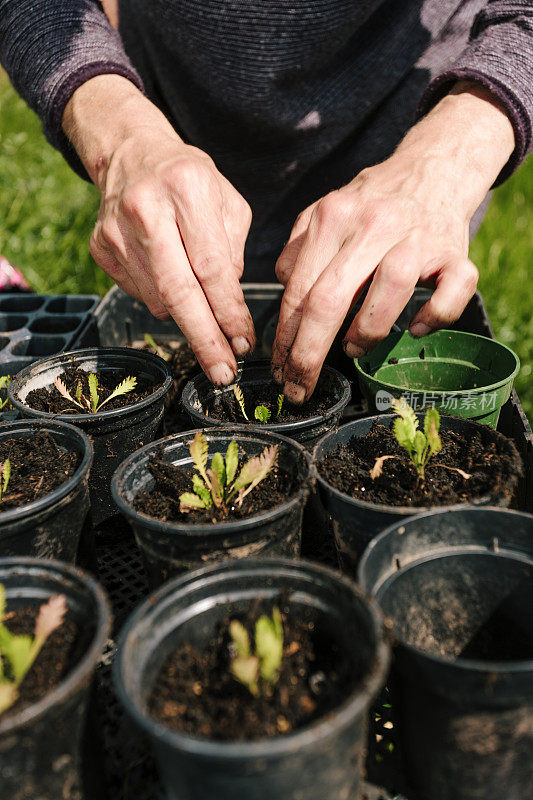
[(93, 402), (262, 413), (218, 485), (161, 352), (262, 666), (18, 652), (5, 380), (5, 474)]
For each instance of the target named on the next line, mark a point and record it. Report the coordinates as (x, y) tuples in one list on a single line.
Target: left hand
[(402, 222)]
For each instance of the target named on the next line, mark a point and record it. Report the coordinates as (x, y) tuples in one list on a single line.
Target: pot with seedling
[(458, 588), (44, 494), (254, 679), (204, 496), (114, 394), (460, 374), (379, 470), (54, 622), (256, 400)]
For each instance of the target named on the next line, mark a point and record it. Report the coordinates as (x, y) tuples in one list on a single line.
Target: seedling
[(5, 474), (161, 352), (262, 413), (219, 484), (93, 402), (261, 667), (5, 380), (18, 652), (420, 446)]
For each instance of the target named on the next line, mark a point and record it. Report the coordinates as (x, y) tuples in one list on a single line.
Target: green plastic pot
[(460, 374)]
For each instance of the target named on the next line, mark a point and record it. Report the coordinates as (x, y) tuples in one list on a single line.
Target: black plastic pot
[(170, 548), (51, 526), (356, 522), (200, 394), (458, 586), (116, 433), (320, 761), (40, 746)]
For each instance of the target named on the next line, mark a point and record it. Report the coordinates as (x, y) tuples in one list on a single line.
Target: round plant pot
[(458, 586), (322, 760), (115, 433), (170, 548), (51, 526), (356, 522), (460, 374), (200, 394), (40, 746)]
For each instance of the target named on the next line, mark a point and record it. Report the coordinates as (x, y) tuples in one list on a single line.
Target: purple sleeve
[(499, 56), (49, 48)]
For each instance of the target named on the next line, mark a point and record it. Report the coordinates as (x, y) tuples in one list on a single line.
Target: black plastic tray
[(33, 326)]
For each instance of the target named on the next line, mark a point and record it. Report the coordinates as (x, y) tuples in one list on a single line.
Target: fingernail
[(240, 345), (353, 350), (221, 374), (419, 329), (277, 374), (294, 392)]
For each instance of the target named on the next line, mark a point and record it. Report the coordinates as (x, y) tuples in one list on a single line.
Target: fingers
[(287, 259), (456, 283), (199, 217), (392, 286), (237, 218)]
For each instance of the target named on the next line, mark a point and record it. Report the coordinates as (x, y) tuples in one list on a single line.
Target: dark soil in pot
[(196, 693), (51, 401), (38, 466), (162, 501), (494, 468), (55, 660)]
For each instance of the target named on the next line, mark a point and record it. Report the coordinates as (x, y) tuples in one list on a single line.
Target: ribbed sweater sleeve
[(499, 56), (49, 48)]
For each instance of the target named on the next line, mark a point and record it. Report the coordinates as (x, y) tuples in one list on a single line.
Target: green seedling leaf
[(79, 392), (431, 429), (198, 450), (281, 398), (190, 501), (8, 695), (217, 489), (269, 645), (5, 380), (6, 474), (93, 391), (127, 385), (64, 392), (20, 656), (240, 638), (420, 446), (202, 491), (218, 467), (237, 391), (246, 671), (150, 341), (262, 413), (232, 461)]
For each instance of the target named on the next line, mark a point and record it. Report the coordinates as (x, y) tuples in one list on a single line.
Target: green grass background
[(47, 213)]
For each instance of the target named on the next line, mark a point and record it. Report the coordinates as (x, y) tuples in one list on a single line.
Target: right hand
[(171, 229)]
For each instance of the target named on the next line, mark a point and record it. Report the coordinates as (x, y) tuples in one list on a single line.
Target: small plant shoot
[(262, 413), (94, 403), (5, 380), (18, 652), (219, 484), (259, 668), (151, 342), (5, 474)]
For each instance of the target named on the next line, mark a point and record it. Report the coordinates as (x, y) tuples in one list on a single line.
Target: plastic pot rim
[(100, 416), (465, 664), (276, 427), (407, 511), (368, 377), (201, 529), (51, 499), (81, 672), (278, 745)]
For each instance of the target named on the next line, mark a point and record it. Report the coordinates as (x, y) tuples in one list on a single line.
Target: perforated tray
[(33, 326)]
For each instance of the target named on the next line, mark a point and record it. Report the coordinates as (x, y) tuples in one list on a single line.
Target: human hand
[(171, 229), (398, 223)]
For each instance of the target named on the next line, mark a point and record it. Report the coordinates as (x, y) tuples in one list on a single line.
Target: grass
[(47, 214)]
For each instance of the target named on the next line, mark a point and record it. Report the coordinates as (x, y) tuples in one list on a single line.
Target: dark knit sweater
[(291, 98)]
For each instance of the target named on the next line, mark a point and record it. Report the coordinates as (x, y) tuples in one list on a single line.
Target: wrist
[(103, 114), (465, 141)]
